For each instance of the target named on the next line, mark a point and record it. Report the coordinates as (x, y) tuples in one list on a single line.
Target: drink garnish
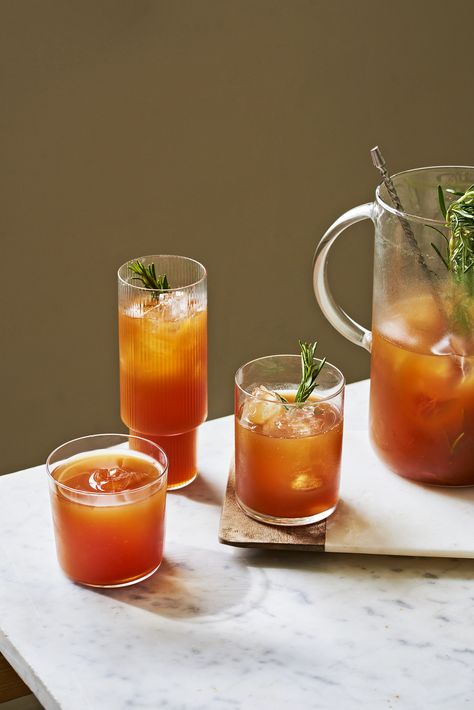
[(459, 251), (310, 370), (459, 220), (281, 398), (147, 275)]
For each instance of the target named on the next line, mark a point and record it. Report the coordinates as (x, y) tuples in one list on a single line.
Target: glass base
[(287, 522), (119, 584), (181, 452), (177, 486)]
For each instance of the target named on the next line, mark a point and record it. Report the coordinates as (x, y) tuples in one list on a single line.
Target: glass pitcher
[(422, 338)]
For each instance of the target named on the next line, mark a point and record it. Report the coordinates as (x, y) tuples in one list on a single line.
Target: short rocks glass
[(108, 496), (287, 454)]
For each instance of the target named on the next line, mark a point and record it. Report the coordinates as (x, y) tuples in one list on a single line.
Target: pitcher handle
[(338, 318)]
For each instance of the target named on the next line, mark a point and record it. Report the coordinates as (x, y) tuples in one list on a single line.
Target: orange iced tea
[(163, 367), (108, 513), (287, 455), (422, 396)]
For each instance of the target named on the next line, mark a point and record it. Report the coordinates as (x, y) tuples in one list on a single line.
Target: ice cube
[(421, 314), (413, 322), (306, 481), (170, 307), (111, 480), (299, 421), (296, 422), (262, 406), (397, 330), (137, 309), (466, 382)]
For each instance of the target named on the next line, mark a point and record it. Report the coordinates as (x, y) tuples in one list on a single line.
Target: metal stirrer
[(379, 163)]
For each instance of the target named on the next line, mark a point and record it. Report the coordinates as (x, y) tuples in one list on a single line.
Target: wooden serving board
[(378, 513)]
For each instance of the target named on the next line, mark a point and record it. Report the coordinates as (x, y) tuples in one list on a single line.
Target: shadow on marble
[(357, 567), (197, 584), (201, 491)]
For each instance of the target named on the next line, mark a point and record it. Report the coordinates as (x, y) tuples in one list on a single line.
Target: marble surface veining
[(225, 628)]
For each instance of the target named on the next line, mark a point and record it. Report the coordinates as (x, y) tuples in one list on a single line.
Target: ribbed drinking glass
[(163, 359)]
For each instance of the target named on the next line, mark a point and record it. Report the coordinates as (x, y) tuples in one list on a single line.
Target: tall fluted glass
[(163, 359)]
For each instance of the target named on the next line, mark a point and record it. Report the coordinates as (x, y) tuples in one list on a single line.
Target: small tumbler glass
[(108, 494), (163, 359), (287, 454)]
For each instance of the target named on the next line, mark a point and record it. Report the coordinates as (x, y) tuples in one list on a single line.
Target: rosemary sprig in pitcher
[(459, 219), (459, 253)]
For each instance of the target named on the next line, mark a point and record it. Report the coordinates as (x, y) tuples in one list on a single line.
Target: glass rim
[(50, 471), (164, 290), (339, 386), (407, 215)]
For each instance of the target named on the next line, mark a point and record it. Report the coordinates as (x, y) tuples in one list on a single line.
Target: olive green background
[(230, 131)]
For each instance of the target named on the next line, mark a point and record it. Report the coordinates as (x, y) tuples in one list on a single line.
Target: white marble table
[(221, 627)]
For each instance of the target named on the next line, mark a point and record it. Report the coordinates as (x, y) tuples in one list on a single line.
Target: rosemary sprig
[(459, 219), (310, 370), (459, 252), (456, 442), (147, 275)]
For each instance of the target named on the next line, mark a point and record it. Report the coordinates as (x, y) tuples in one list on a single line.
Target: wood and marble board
[(238, 529), (378, 513)]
